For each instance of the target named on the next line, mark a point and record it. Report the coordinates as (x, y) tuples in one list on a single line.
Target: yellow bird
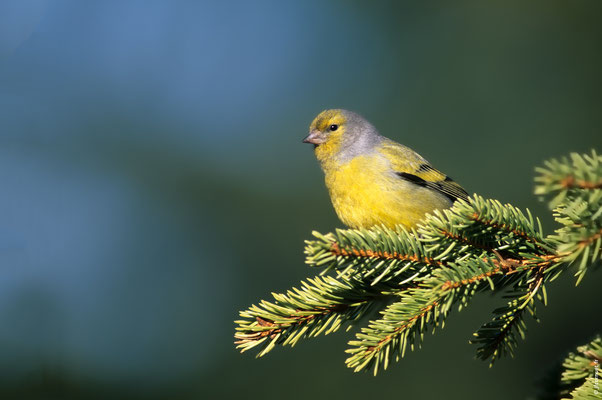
[(373, 180)]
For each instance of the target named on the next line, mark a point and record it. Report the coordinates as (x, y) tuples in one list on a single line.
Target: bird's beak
[(314, 137)]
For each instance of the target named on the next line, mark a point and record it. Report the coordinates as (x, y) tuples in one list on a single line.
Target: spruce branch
[(403, 323), (321, 306), (568, 179), (422, 274), (371, 255), (499, 337), (576, 187), (581, 374), (589, 390)]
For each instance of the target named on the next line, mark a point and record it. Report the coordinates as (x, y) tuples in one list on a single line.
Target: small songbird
[(373, 180)]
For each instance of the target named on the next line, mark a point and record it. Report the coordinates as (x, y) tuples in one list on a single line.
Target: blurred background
[(154, 182)]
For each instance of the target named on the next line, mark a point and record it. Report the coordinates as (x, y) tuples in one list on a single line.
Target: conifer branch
[(476, 245), (589, 390), (581, 376), (568, 179), (374, 255), (498, 337), (404, 322), (577, 205), (321, 306)]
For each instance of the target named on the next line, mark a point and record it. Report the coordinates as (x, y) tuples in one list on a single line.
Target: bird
[(373, 180)]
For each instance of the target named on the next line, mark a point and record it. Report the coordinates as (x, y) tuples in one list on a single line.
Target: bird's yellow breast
[(366, 192)]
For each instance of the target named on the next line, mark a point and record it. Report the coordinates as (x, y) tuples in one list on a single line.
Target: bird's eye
[(333, 127)]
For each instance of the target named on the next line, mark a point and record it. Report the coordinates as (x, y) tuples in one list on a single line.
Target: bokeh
[(154, 182)]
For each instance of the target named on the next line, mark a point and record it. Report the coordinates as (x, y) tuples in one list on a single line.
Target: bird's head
[(336, 132), (328, 125)]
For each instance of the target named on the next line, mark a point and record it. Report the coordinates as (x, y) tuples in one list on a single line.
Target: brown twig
[(337, 250), (570, 182)]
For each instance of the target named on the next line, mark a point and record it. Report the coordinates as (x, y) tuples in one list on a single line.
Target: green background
[(154, 181)]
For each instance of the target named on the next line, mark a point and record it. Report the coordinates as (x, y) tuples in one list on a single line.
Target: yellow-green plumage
[(373, 180)]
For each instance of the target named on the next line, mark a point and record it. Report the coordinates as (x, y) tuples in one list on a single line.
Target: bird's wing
[(409, 165)]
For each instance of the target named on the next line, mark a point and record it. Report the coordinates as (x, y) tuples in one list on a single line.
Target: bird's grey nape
[(361, 137)]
